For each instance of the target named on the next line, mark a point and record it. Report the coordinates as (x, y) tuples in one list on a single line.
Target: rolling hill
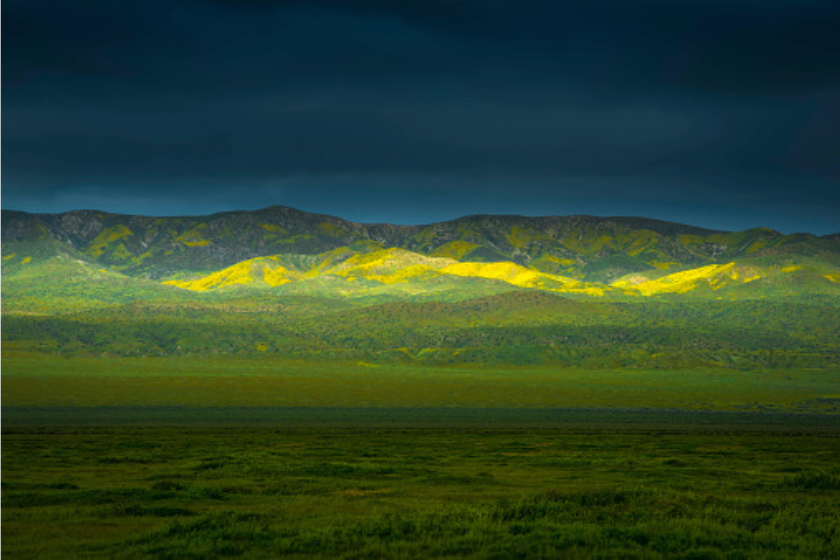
[(567, 291), (578, 255)]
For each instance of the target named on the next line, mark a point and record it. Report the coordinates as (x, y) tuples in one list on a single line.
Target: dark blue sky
[(718, 114)]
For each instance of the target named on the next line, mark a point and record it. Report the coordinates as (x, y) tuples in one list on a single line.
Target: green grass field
[(42, 380), (372, 492), (178, 457)]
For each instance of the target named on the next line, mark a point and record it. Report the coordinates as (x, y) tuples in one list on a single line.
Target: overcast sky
[(723, 114)]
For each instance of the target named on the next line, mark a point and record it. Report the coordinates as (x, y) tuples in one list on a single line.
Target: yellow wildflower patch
[(682, 282), (454, 249), (274, 229), (246, 272), (192, 238), (106, 237)]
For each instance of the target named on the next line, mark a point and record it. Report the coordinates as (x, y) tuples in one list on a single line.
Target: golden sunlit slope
[(389, 266), (714, 276), (267, 271), (370, 263), (364, 271), (789, 276), (393, 267), (518, 275), (366, 267)]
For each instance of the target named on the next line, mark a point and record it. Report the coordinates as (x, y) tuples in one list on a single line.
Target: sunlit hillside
[(562, 292), (584, 248), (82, 259)]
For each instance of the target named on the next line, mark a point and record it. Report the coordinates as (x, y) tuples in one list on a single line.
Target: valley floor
[(359, 488), (41, 380), (180, 457)]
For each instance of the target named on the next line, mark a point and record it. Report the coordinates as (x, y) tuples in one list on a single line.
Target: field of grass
[(202, 457), (43, 380), (364, 492)]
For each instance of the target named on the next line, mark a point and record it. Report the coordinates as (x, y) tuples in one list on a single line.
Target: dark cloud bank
[(721, 114)]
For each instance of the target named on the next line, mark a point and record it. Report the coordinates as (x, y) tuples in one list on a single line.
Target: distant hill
[(298, 252), (573, 291)]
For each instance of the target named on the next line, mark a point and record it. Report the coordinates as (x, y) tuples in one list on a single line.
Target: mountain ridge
[(550, 244), (654, 224), (575, 291), (288, 249)]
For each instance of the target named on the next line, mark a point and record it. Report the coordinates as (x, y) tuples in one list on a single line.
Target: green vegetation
[(281, 383), (225, 381), (370, 491), (514, 328), (581, 247)]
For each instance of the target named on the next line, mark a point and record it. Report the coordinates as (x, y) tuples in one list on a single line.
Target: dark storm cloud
[(745, 46), (181, 99)]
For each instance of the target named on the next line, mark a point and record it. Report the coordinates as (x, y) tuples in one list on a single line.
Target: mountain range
[(577, 291), (291, 251)]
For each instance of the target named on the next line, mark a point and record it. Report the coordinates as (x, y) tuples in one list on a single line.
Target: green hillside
[(47, 277), (585, 248), (576, 291), (520, 327)]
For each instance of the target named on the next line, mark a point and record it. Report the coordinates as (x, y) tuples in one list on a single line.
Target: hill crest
[(279, 245)]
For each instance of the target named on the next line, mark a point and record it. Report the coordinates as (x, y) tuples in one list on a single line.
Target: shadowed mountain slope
[(581, 247)]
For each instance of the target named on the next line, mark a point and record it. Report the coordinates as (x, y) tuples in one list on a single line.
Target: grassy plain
[(45, 380), (189, 457), (373, 492)]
